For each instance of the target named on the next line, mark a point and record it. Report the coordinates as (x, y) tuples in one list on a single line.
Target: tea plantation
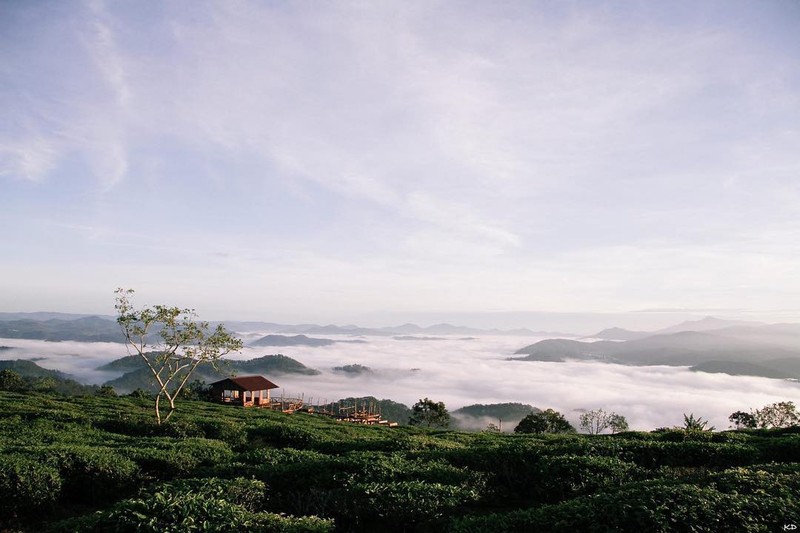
[(98, 463)]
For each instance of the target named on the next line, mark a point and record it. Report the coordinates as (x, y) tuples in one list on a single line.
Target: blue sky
[(346, 161)]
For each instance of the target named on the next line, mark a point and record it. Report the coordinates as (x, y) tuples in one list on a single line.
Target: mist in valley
[(464, 371)]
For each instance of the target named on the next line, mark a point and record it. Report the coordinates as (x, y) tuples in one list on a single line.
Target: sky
[(391, 161)]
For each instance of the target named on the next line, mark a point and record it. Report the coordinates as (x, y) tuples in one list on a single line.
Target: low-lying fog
[(462, 371)]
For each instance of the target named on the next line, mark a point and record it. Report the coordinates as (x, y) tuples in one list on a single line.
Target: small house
[(247, 391)]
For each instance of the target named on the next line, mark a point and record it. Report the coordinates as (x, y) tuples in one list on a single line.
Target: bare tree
[(172, 343), (596, 421)]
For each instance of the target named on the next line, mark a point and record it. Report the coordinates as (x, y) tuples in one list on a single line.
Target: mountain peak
[(705, 324)]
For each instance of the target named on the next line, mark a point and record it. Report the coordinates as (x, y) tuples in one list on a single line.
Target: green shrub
[(26, 485), (363, 467), (283, 435), (653, 507), (781, 449), (231, 432), (779, 481), (402, 505), (212, 505), (562, 477), (166, 458), (93, 475), (654, 454), (277, 456)]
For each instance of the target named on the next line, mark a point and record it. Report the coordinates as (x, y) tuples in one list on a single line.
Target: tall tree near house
[(173, 343)]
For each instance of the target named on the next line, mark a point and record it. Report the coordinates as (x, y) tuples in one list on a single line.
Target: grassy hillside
[(98, 464)]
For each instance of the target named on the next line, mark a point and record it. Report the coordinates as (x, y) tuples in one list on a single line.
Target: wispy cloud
[(106, 54), (517, 155), (31, 159)]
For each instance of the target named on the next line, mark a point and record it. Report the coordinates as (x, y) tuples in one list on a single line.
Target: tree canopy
[(776, 415), (598, 420), (172, 343), (547, 421), (428, 413)]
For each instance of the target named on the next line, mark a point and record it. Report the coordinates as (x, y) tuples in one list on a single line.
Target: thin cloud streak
[(519, 155)]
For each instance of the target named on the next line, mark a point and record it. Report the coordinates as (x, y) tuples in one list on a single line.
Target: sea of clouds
[(464, 371)]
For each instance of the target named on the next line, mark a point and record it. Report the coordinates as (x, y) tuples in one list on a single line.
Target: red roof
[(248, 383)]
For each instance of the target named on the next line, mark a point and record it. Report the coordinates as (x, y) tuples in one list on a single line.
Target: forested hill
[(33, 377), (136, 375), (296, 340), (729, 351), (87, 329)]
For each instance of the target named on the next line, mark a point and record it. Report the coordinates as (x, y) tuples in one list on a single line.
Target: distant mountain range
[(297, 340), (89, 328), (714, 345), (708, 323), (709, 344), (84, 329), (402, 330)]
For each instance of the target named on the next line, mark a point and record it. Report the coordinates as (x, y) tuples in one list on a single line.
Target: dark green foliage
[(106, 390), (102, 463), (739, 500), (165, 458), (547, 421), (196, 390), (11, 380), (271, 364), (231, 432), (92, 475), (403, 505), (27, 485), (354, 369), (690, 423), (777, 415), (25, 375), (196, 505), (742, 420), (430, 414)]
